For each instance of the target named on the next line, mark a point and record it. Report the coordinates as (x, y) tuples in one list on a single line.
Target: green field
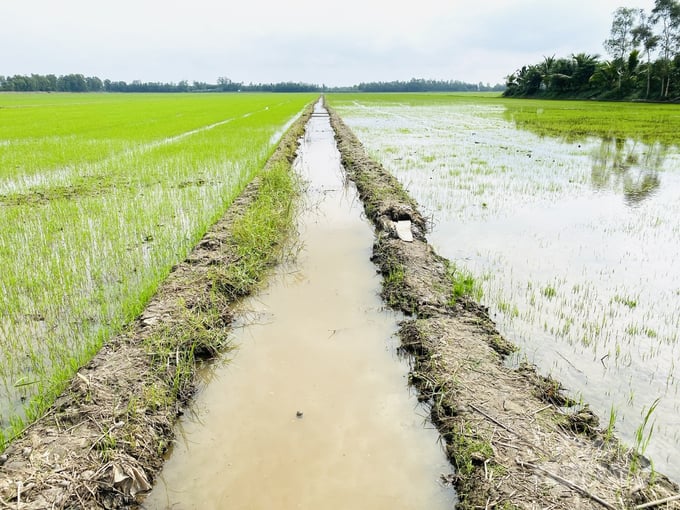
[(100, 195)]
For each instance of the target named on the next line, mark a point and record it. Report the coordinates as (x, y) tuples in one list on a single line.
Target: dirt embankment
[(102, 442), (515, 439)]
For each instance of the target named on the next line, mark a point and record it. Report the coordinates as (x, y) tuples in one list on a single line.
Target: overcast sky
[(339, 42)]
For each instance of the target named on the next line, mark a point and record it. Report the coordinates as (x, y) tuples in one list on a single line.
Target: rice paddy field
[(100, 195), (567, 215)]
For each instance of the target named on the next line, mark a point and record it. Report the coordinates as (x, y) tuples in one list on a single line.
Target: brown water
[(316, 342)]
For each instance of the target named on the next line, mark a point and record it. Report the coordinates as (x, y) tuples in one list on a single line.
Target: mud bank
[(102, 442), (515, 439)]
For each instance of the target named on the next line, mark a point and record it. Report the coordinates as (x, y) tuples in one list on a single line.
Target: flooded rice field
[(575, 246), (313, 411)]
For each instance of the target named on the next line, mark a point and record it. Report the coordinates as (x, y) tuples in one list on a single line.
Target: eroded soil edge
[(515, 439), (102, 442)]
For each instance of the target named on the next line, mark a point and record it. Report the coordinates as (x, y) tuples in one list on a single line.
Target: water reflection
[(631, 167)]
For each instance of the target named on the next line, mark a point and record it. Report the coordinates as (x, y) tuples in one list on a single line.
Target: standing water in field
[(574, 243), (313, 411)]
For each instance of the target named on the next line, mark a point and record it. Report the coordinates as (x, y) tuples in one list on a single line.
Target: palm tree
[(546, 70), (584, 67)]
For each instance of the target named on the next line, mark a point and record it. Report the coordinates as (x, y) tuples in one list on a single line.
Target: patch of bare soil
[(102, 442), (515, 439)]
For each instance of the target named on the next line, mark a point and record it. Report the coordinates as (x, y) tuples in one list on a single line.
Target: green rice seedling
[(549, 291), (100, 198), (630, 303), (609, 431), (508, 309), (643, 435), (576, 120)]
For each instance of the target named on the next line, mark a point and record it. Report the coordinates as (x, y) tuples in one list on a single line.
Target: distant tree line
[(281, 87), (51, 83), (80, 83), (645, 62), (421, 85)]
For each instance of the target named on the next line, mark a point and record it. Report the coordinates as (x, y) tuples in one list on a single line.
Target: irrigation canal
[(313, 411)]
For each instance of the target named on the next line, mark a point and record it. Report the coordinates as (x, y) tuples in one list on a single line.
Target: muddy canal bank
[(313, 408), (515, 439)]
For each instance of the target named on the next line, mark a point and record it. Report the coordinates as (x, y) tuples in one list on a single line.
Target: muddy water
[(313, 411)]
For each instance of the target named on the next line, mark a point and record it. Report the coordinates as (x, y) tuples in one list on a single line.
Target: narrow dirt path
[(313, 410)]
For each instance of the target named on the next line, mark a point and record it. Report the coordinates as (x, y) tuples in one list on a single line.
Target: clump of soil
[(102, 442), (515, 439)]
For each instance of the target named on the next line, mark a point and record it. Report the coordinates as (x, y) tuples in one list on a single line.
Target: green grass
[(463, 284), (257, 233), (469, 451), (100, 195), (414, 99)]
